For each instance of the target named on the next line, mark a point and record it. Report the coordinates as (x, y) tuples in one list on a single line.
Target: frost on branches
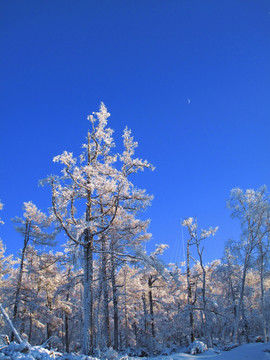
[(93, 194), (252, 208), (196, 238), (36, 227)]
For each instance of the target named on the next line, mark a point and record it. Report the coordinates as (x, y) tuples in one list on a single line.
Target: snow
[(253, 351)]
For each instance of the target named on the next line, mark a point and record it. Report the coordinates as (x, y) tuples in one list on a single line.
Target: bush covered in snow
[(110, 354), (229, 347), (261, 339), (197, 347), (25, 351)]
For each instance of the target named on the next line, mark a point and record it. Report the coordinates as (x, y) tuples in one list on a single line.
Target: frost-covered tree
[(226, 277), (252, 208), (69, 303), (89, 195), (5, 266), (35, 227), (262, 262), (125, 237), (5, 262), (196, 239)]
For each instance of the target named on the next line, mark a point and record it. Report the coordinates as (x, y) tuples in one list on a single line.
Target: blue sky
[(191, 78)]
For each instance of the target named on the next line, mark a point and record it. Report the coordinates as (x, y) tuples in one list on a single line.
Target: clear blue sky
[(191, 78)]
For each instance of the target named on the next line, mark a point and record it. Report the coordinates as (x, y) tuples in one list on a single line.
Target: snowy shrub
[(40, 353), (125, 357), (197, 347), (24, 347), (165, 352), (25, 352), (259, 339), (147, 346), (132, 352), (229, 347), (110, 354)]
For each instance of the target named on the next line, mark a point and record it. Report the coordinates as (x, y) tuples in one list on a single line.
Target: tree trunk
[(104, 280), (66, 333), (145, 313), (125, 309), (151, 308), (245, 324), (135, 332), (88, 298), (115, 306), (239, 304), (264, 329), (48, 324), (189, 297), (30, 328), (205, 313), (97, 316), (66, 317), (48, 331), (20, 275)]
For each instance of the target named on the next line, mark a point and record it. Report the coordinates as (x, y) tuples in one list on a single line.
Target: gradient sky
[(191, 78)]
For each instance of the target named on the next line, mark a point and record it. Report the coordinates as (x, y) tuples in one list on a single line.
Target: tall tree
[(252, 208), (5, 262), (35, 227), (196, 239), (98, 179), (5, 266)]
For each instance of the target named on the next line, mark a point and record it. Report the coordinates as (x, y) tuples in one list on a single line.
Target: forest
[(103, 290)]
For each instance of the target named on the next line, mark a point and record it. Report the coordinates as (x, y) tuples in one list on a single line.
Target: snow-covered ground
[(245, 352)]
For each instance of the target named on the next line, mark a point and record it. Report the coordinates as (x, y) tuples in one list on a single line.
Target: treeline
[(141, 307)]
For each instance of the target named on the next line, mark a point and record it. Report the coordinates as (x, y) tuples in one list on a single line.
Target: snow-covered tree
[(35, 227), (90, 194), (5, 267), (196, 239), (252, 208), (5, 262)]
